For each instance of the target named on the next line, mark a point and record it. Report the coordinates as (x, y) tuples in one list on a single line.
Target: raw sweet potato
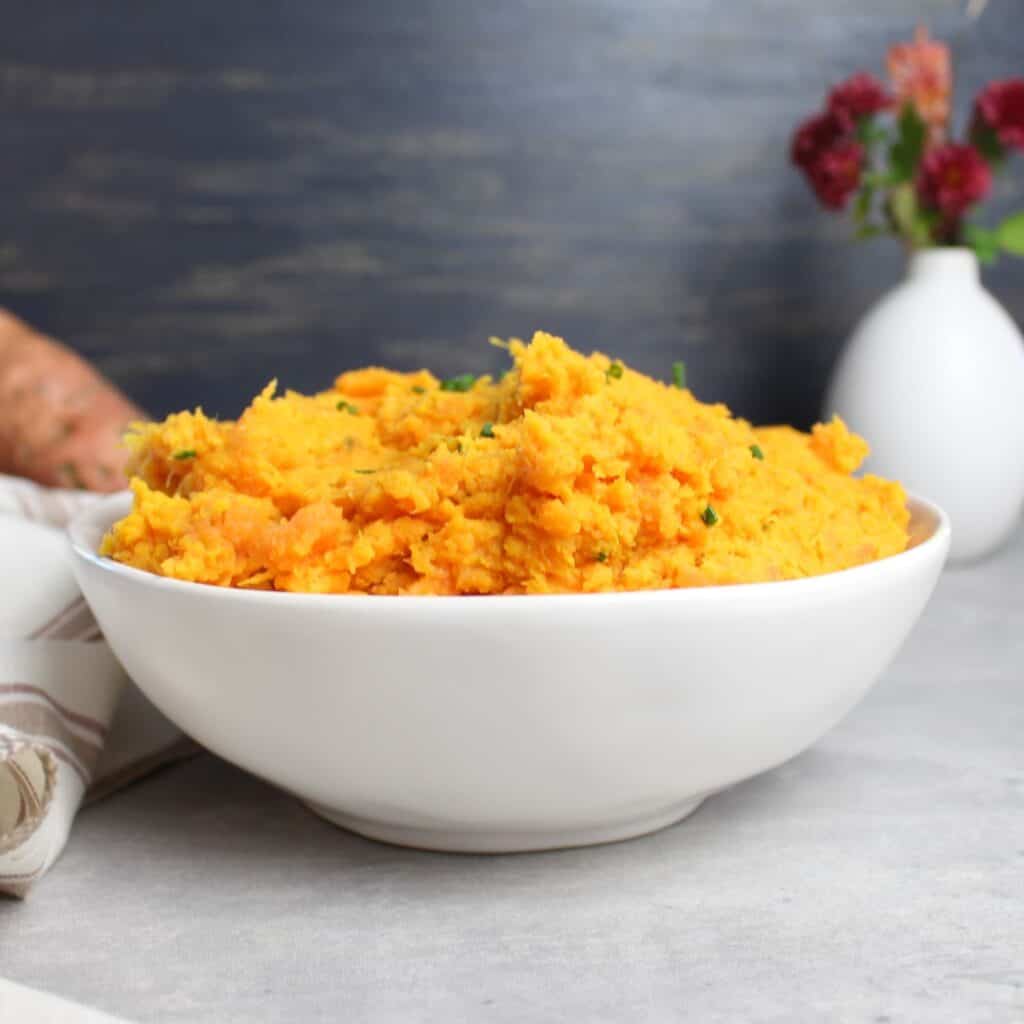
[(61, 421)]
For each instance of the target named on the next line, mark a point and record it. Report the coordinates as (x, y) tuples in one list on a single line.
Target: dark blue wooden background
[(203, 196)]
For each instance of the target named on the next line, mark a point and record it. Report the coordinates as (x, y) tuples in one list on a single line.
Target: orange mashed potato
[(570, 473)]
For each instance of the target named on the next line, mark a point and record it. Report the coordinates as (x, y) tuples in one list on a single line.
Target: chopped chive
[(614, 371), (679, 374), (601, 556), (709, 515), (755, 450), (343, 405), (418, 390), (365, 471), (185, 453), (487, 430), (463, 382)]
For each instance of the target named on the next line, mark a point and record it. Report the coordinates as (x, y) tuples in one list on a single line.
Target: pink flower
[(1000, 106), (951, 178), (921, 74), (859, 96), (835, 175), (818, 134)]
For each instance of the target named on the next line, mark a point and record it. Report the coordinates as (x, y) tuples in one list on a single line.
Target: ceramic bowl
[(498, 724)]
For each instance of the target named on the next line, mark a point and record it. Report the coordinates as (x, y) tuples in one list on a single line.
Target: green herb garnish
[(342, 406), (755, 450), (709, 515), (418, 390), (461, 383), (679, 374), (365, 471), (614, 371), (487, 430), (601, 556), (185, 453)]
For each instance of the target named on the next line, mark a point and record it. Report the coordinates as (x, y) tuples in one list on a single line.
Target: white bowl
[(494, 724)]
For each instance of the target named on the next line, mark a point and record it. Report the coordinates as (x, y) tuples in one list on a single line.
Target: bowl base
[(506, 840)]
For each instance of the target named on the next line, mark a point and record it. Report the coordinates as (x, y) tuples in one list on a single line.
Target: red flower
[(1001, 107), (818, 134), (952, 177), (859, 96), (824, 149), (835, 175)]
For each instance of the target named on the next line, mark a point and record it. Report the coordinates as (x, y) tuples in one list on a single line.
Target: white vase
[(933, 378)]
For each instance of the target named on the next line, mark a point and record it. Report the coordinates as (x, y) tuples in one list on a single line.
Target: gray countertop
[(877, 878)]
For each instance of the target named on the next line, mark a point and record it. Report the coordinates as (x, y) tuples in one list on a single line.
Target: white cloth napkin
[(20, 1005), (72, 726)]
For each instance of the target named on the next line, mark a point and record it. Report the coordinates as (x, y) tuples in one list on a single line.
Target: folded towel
[(72, 726)]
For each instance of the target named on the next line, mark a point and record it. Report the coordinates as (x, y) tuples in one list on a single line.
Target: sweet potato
[(61, 421)]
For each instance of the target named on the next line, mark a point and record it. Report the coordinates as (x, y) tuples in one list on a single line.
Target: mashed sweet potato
[(571, 473)]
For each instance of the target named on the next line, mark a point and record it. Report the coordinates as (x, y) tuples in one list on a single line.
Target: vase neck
[(952, 263)]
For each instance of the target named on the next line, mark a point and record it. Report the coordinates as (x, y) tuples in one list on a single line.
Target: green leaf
[(1011, 234), (908, 219), (905, 152), (928, 221), (868, 132), (878, 179), (987, 142), (985, 243), (862, 205), (903, 210)]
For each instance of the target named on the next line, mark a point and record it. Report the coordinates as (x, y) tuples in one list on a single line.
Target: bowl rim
[(103, 512)]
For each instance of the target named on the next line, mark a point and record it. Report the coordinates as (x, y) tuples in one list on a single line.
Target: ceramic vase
[(933, 378)]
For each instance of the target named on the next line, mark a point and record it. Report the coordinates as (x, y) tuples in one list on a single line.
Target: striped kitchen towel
[(72, 727)]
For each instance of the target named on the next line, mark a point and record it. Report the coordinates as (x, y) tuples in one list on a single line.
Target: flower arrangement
[(890, 150)]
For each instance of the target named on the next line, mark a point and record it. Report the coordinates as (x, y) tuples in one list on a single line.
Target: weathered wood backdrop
[(202, 196)]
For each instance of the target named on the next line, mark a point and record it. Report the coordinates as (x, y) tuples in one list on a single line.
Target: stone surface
[(877, 878)]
